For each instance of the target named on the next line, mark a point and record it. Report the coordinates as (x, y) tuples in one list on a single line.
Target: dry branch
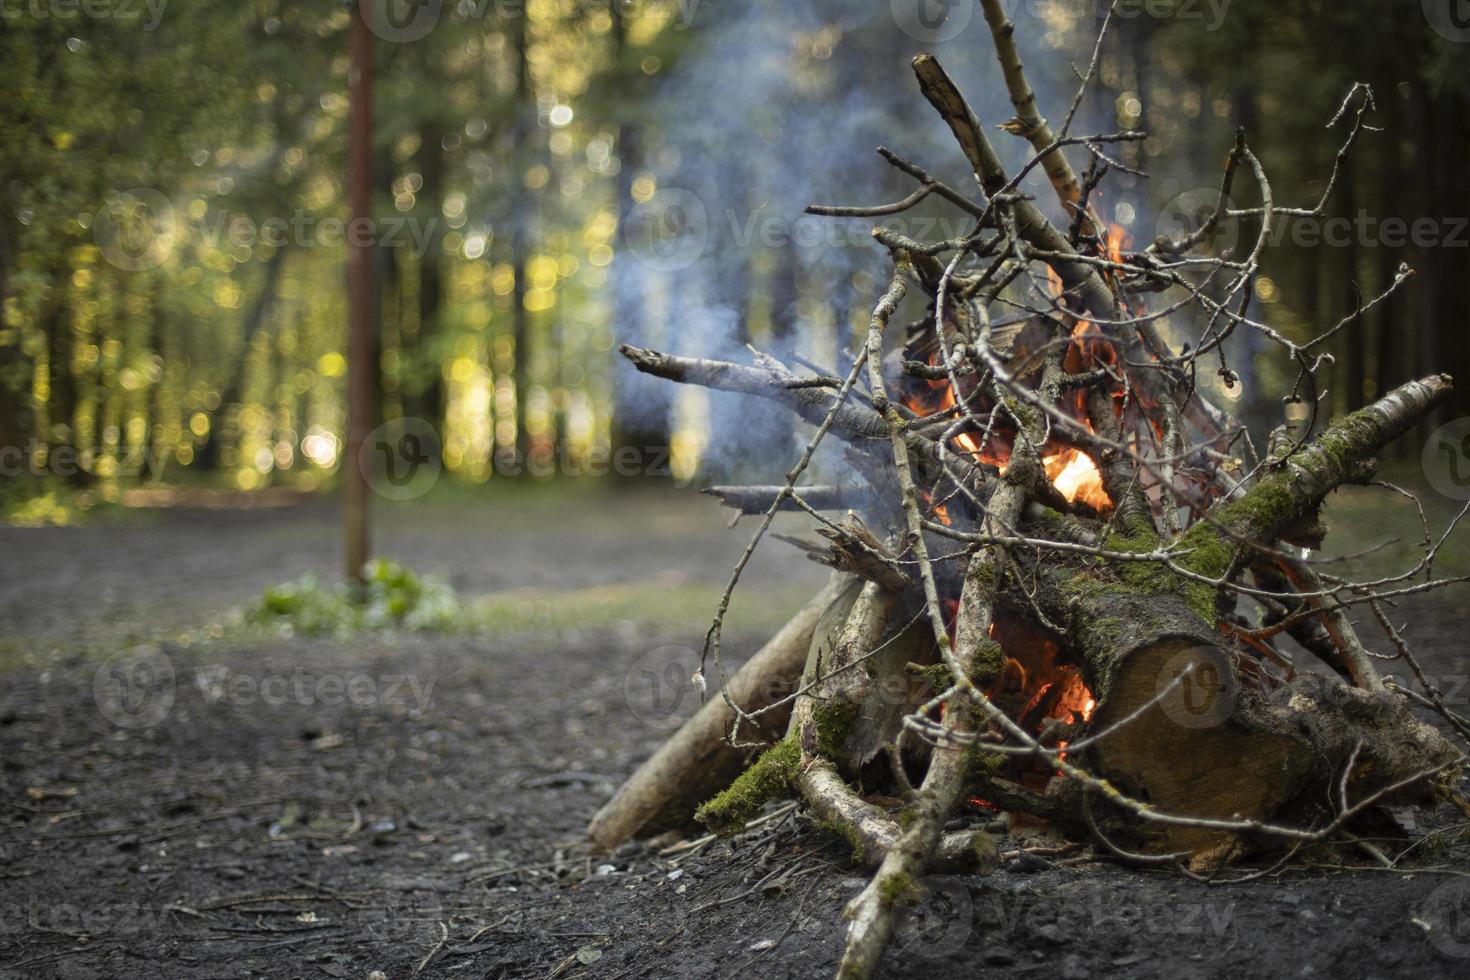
[(758, 499), (873, 834)]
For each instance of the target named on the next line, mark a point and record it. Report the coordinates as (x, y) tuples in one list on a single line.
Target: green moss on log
[(1268, 506), (987, 853), (768, 779), (980, 764), (834, 720), (938, 676), (988, 661), (895, 886), (847, 833), (1210, 557)]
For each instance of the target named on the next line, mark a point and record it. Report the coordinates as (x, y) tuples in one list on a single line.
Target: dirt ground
[(262, 804)]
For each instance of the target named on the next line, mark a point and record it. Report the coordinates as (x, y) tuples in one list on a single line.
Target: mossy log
[(1222, 744), (1214, 744), (1293, 489)]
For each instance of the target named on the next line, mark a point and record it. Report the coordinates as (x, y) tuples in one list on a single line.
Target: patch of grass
[(391, 597), (396, 598)]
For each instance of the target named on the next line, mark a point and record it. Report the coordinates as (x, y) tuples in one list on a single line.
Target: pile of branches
[(959, 557)]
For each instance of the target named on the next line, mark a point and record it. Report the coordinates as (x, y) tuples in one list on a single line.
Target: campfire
[(1063, 577)]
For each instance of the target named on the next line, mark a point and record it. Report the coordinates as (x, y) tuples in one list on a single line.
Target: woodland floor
[(431, 822)]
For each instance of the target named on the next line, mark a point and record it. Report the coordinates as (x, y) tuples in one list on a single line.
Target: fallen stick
[(758, 499), (872, 834), (856, 425)]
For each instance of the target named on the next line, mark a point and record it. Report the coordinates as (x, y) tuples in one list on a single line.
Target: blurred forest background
[(557, 176)]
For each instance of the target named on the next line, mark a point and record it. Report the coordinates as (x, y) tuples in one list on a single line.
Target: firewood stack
[(1061, 575)]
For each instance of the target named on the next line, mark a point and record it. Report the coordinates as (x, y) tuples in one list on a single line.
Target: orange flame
[(1117, 238), (1076, 476)]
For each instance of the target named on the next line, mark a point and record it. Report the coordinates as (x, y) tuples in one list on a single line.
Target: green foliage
[(221, 353), (217, 361), (50, 503), (391, 597)]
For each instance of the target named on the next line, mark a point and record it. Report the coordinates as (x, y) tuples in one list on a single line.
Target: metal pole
[(359, 293)]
